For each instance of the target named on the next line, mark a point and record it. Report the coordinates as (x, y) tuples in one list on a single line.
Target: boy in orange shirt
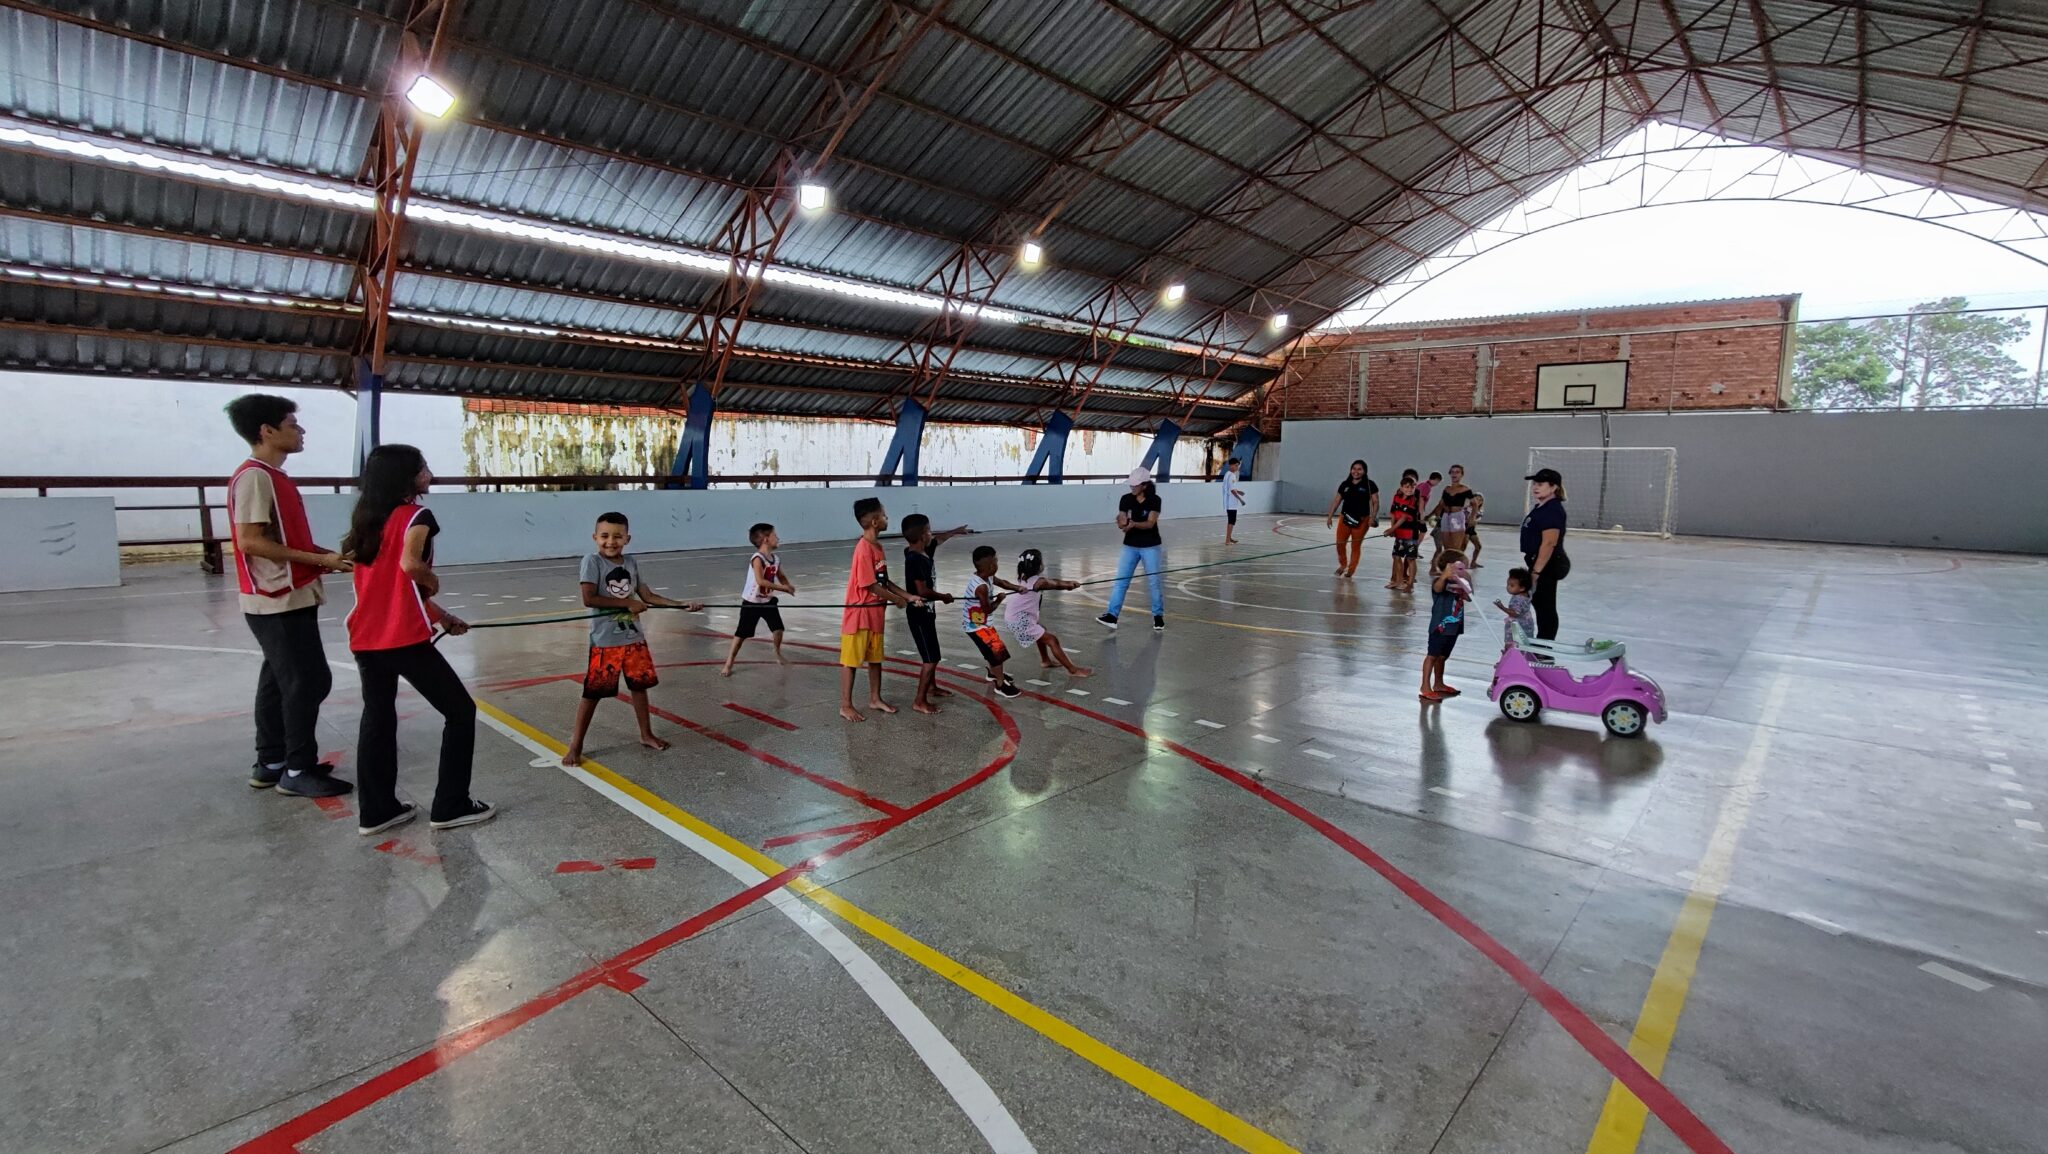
[(869, 593)]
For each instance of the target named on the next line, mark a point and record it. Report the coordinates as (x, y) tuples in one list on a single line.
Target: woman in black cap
[(1543, 547)]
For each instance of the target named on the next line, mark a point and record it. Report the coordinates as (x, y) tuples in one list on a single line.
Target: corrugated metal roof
[(1327, 162)]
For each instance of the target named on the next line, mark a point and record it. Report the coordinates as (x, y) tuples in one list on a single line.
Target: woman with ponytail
[(391, 634)]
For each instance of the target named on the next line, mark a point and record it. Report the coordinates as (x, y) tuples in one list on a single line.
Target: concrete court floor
[(1855, 748)]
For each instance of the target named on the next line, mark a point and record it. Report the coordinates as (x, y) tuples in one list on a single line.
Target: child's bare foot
[(1078, 671), (1391, 585), (937, 691), (880, 706), (725, 672), (780, 658), (573, 758), (851, 714), (924, 707), (1048, 665), (652, 742)]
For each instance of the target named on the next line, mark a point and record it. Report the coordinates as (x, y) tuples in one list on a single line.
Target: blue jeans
[(1128, 564)]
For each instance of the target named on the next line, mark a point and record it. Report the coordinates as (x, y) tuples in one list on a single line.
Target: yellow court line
[(1620, 1128), (1125, 1069)]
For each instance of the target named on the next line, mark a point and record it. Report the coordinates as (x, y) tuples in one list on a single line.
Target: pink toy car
[(1532, 676)]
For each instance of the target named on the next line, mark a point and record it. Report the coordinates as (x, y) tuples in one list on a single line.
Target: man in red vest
[(278, 568)]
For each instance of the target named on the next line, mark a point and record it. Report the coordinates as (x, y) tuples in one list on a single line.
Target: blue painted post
[(693, 450), (1052, 451), (903, 448), (369, 411), (1159, 458), (1246, 449)]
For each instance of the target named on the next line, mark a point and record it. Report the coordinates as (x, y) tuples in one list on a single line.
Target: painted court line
[(961, 1081), (1642, 1084), (1320, 754), (765, 758), (1437, 789), (1204, 722), (759, 716), (2029, 826), (1817, 922), (1078, 692), (1269, 739), (1114, 701), (738, 859), (1524, 818), (1974, 985), (1027, 681), (2016, 803), (1620, 1128)]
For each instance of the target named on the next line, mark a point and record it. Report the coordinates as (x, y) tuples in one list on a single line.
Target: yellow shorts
[(860, 648)]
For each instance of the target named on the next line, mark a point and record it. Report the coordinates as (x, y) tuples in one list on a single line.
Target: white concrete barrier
[(58, 543), (491, 527)]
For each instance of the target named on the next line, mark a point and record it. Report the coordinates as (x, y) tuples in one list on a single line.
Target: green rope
[(510, 623)]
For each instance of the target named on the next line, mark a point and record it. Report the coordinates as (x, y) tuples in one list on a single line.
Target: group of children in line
[(611, 583)]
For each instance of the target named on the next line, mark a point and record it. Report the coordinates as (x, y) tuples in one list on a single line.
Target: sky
[(1843, 261)]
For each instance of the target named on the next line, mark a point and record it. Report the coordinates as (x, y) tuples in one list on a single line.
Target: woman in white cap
[(1138, 516)]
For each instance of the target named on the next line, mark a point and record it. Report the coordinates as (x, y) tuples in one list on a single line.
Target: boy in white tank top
[(757, 596)]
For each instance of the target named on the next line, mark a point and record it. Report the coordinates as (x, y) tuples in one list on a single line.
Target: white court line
[(2014, 786), (1998, 768), (1027, 681), (1817, 922), (1321, 754), (1077, 692), (1166, 713), (1974, 985), (1995, 754), (1210, 724), (1114, 701), (960, 1079), (1524, 818), (2016, 803), (1445, 792), (1265, 738), (2027, 824), (1599, 843)]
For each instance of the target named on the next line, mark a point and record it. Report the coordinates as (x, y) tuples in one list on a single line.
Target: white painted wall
[(113, 426), (601, 441), (58, 543), (490, 527)]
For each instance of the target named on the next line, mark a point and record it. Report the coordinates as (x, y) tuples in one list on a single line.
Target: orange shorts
[(601, 679)]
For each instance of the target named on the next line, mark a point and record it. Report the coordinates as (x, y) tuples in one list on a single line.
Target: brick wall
[(1698, 355)]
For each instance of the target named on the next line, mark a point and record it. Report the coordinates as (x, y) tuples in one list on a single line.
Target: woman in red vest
[(391, 632)]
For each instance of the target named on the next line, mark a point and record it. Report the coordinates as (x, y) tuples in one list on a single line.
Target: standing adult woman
[(1543, 548), (1358, 500), (391, 631), (1137, 514), (1450, 512)]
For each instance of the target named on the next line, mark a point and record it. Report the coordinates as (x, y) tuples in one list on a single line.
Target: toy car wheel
[(1519, 703), (1623, 719)]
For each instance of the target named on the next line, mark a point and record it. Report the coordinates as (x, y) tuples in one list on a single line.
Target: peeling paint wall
[(550, 440)]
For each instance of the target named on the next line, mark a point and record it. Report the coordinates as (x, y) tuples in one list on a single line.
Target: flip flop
[(1431, 698), (1447, 691)]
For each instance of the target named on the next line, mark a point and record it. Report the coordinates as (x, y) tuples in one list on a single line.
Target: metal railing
[(209, 494)]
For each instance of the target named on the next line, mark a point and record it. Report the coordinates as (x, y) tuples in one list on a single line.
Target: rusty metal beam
[(1692, 61), (388, 171), (1763, 45), (1955, 117)]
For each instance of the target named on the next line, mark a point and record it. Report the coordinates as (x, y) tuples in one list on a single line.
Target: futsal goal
[(1614, 490)]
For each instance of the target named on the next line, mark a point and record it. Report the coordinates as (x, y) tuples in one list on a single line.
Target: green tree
[(1837, 365), (1945, 356)]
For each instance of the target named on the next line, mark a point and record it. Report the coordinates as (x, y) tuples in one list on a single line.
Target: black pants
[(290, 687), (423, 668), (1543, 598)]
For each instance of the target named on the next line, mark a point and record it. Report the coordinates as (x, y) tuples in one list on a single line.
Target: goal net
[(1614, 490)]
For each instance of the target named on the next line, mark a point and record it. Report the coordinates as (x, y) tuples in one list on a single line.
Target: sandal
[(1430, 698), (1447, 691)]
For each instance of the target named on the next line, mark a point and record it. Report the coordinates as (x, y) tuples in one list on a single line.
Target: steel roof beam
[(388, 171)]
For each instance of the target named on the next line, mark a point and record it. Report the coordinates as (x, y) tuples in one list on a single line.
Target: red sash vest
[(390, 612), (292, 528)]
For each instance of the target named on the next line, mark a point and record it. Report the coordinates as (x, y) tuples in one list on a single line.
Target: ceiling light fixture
[(427, 95)]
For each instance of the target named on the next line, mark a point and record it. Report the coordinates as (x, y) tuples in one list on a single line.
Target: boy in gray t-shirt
[(611, 583)]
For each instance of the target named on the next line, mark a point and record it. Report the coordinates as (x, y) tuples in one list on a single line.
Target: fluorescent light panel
[(427, 95)]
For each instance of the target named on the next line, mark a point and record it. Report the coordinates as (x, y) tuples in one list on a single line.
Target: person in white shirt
[(1233, 500)]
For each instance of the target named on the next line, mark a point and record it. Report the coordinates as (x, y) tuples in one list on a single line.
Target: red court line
[(828, 831), (877, 804), (759, 716), (1619, 1063), (615, 972), (766, 758), (1604, 1049)]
